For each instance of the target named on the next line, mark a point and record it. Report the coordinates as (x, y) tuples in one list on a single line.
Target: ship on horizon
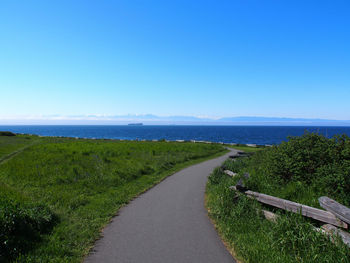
[(135, 124)]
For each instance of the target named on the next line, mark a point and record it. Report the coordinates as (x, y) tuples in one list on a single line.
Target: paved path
[(168, 223)]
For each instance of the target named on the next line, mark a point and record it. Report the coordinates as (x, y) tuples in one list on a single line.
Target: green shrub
[(21, 226), (311, 162), (7, 133)]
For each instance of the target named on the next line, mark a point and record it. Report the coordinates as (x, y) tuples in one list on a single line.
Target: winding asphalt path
[(168, 223)]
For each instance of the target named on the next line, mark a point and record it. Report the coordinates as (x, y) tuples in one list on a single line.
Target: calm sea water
[(229, 134)]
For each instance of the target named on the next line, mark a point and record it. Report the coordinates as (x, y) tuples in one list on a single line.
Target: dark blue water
[(229, 134)]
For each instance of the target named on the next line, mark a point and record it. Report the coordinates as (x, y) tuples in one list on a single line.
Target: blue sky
[(193, 58)]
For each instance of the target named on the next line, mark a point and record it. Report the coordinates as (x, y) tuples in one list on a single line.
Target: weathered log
[(230, 173), (239, 154), (326, 229), (318, 214), (270, 216), (330, 229), (240, 186), (339, 210)]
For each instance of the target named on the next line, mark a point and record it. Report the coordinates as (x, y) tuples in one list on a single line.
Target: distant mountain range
[(150, 119), (284, 121)]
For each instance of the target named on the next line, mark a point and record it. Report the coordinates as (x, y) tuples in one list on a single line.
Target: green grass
[(296, 170), (247, 149), (9, 145), (82, 184)]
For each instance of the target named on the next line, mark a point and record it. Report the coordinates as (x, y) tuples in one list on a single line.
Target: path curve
[(168, 223)]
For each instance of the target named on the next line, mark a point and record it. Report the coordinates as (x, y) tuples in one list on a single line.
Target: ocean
[(261, 135)]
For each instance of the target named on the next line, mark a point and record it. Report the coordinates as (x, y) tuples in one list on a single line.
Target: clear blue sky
[(201, 58)]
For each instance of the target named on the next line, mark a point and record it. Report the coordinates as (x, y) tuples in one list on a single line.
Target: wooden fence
[(335, 215)]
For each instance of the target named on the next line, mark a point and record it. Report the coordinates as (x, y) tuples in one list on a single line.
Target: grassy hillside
[(58, 193), (301, 170)]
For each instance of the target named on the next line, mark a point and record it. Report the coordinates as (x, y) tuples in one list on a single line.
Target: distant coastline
[(135, 124)]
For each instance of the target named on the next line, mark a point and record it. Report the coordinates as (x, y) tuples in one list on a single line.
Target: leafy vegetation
[(301, 170), (308, 167), (62, 191)]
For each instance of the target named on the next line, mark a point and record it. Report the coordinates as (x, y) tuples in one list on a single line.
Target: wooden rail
[(339, 210), (332, 230), (336, 214), (308, 211), (230, 173)]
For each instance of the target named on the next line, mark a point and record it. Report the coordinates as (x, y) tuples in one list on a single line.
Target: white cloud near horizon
[(142, 118)]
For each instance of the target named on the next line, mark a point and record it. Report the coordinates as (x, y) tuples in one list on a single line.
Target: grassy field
[(245, 148), (57, 193), (300, 170), (9, 144)]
